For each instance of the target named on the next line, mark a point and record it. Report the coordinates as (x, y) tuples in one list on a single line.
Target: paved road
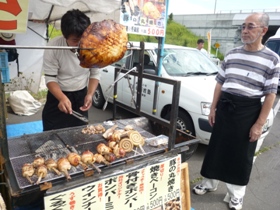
[(263, 189)]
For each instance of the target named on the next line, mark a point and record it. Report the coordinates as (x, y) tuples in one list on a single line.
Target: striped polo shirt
[(251, 74)]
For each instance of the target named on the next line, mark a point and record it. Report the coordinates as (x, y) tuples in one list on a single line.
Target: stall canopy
[(41, 12)]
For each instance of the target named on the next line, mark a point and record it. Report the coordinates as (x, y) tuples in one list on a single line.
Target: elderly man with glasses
[(237, 115)]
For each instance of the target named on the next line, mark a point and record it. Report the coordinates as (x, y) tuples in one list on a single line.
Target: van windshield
[(187, 62), (274, 45)]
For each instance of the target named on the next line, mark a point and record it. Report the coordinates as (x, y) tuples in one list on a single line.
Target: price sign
[(144, 17), (13, 16)]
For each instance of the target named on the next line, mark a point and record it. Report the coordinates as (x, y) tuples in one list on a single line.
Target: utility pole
[(215, 7)]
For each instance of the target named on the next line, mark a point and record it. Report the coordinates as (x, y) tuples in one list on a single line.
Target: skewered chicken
[(75, 160), (52, 166), (108, 133), (118, 151), (64, 166), (88, 158), (118, 134), (90, 129), (103, 149), (128, 128), (38, 161), (110, 157), (41, 172), (100, 159), (99, 129), (108, 42), (28, 171)]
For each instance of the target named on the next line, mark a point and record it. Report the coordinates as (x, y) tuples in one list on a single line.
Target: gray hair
[(263, 18)]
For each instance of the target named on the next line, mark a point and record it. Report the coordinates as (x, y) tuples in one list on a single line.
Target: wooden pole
[(185, 187)]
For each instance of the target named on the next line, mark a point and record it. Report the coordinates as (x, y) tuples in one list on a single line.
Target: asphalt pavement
[(262, 191)]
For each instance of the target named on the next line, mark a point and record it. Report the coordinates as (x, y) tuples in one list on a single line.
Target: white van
[(273, 42), (195, 71)]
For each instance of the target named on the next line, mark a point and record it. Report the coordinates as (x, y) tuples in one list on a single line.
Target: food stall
[(141, 170), (149, 149)]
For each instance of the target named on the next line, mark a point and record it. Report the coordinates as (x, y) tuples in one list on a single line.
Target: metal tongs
[(80, 116)]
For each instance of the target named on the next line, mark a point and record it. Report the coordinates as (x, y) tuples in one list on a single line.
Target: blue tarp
[(15, 130)]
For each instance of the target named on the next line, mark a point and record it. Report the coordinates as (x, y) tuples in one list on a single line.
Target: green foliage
[(176, 34), (53, 32)]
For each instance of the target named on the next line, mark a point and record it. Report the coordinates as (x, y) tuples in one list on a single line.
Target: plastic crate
[(4, 60), (5, 75)]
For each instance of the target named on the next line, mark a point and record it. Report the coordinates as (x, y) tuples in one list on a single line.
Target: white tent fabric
[(40, 9), (30, 61)]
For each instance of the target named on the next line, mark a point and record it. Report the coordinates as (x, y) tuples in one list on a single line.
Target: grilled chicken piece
[(108, 41), (110, 157), (28, 171), (108, 133), (52, 165), (88, 158), (38, 161), (99, 128), (64, 166), (41, 172), (118, 151), (103, 149), (75, 160), (100, 159)]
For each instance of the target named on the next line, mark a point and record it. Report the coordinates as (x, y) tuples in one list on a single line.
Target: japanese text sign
[(154, 187), (90, 196), (13, 16), (144, 17)]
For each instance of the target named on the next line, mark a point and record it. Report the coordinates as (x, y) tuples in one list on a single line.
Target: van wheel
[(98, 99), (184, 123)]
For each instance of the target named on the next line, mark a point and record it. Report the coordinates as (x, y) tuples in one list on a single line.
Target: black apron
[(229, 156), (53, 118)]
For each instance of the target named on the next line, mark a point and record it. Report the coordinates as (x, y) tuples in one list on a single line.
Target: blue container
[(4, 67), (4, 60)]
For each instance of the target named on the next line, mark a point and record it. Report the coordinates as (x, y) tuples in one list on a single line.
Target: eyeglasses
[(250, 27)]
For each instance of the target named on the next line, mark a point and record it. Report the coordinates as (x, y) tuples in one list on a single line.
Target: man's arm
[(92, 85), (216, 97), (256, 129), (64, 104)]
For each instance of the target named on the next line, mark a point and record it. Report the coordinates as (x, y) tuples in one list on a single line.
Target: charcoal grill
[(58, 143)]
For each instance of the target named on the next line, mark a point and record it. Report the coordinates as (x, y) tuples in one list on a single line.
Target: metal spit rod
[(44, 47), (52, 47)]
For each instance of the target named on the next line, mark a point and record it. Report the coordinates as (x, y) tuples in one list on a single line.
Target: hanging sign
[(144, 17), (13, 16)]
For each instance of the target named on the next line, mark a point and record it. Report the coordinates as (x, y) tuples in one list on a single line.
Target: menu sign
[(90, 196), (155, 187), (163, 186), (13, 16), (126, 191), (145, 17)]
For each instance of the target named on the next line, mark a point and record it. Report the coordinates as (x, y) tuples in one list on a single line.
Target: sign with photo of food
[(144, 17)]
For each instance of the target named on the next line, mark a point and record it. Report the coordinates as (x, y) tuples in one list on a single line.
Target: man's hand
[(255, 132), (211, 117), (87, 103), (65, 105)]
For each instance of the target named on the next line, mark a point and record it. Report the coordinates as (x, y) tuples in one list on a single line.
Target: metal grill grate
[(58, 143)]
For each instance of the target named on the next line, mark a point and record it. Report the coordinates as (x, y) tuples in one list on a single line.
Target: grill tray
[(58, 143)]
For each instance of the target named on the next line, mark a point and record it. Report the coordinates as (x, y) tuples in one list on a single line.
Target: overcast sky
[(224, 6)]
